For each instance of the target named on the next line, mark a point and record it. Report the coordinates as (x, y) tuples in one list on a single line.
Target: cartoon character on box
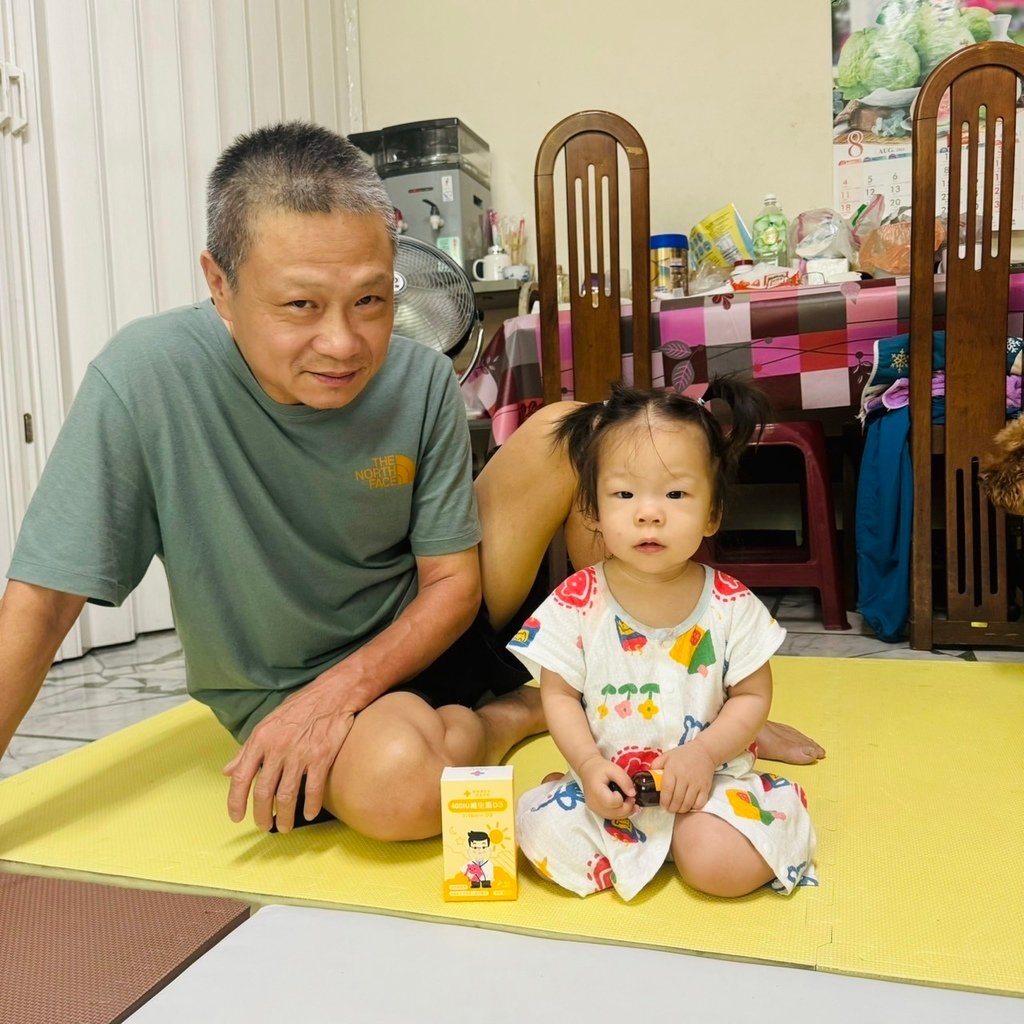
[(479, 870)]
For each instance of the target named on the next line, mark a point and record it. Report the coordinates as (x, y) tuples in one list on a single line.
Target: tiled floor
[(88, 697), (797, 611), (113, 687)]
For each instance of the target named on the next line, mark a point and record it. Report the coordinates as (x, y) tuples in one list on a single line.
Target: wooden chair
[(982, 593), (590, 142)]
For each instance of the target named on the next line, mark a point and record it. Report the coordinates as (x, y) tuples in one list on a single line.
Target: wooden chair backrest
[(590, 141), (982, 81)]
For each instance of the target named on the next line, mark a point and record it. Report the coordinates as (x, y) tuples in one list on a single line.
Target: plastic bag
[(886, 250), (820, 233), (709, 277), (866, 219)]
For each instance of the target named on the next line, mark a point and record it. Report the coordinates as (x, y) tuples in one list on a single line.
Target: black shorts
[(475, 665)]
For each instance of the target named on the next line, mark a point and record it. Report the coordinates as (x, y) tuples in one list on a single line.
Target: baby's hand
[(688, 772), (609, 791)]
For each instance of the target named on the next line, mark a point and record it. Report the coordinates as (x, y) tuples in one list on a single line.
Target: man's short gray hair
[(297, 167)]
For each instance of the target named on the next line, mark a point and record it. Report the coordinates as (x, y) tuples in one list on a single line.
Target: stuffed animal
[(1002, 468)]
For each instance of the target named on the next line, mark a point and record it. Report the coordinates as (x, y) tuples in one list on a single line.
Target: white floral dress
[(647, 690)]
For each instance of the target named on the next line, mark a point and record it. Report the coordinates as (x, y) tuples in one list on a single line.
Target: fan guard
[(434, 300)]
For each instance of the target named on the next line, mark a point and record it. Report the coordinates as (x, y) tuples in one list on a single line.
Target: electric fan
[(434, 301)]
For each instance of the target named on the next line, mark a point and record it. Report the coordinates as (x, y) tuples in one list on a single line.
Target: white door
[(139, 98), (31, 393)]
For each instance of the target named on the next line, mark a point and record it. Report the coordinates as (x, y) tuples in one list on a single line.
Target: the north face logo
[(388, 471)]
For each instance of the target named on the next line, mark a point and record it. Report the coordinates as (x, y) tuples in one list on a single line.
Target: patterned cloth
[(647, 690), (807, 348), (888, 387)]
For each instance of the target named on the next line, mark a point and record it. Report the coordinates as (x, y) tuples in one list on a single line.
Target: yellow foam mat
[(919, 809)]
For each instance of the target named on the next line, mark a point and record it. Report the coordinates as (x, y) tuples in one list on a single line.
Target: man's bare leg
[(780, 742), (525, 494), (385, 782)]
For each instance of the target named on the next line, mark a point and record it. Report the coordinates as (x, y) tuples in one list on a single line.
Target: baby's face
[(654, 495)]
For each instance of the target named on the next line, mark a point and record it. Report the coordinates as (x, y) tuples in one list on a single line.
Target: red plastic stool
[(815, 563)]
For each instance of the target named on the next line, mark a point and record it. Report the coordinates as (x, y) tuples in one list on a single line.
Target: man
[(305, 479)]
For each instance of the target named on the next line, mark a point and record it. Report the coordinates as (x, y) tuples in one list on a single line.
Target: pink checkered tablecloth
[(808, 348)]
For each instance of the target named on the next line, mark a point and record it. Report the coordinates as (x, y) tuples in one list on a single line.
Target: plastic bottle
[(771, 233)]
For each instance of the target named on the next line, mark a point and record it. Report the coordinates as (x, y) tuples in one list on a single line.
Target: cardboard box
[(478, 834)]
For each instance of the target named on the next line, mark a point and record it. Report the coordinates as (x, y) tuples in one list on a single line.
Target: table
[(809, 348)]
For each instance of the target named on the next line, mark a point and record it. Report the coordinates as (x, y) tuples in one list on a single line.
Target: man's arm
[(33, 624), (305, 734)]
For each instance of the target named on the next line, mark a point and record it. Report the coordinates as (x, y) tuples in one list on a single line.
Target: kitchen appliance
[(438, 175)]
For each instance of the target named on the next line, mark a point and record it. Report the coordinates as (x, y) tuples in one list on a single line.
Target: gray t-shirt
[(288, 534)]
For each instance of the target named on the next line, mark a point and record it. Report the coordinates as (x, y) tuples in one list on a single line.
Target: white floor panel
[(311, 965)]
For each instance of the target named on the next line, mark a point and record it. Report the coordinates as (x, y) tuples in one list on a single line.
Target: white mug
[(494, 264)]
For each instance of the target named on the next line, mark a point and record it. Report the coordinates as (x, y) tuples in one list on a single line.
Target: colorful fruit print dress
[(646, 690)]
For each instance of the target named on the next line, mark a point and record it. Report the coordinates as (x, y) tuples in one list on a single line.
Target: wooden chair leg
[(822, 541), (852, 448)]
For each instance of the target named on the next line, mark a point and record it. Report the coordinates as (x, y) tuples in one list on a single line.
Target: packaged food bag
[(721, 238), (762, 276)]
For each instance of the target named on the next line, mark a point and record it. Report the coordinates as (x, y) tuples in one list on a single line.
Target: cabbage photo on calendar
[(882, 51)]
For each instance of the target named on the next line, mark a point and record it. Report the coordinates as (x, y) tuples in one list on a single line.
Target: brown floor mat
[(82, 953)]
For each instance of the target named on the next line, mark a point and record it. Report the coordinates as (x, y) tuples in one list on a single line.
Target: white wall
[(732, 99)]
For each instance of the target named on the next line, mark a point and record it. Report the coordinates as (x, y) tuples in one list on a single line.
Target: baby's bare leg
[(713, 857)]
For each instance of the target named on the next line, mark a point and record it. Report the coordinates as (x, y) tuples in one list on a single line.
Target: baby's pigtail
[(575, 432), (750, 412)]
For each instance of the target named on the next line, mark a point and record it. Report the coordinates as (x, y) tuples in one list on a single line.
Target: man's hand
[(305, 734), (300, 738)]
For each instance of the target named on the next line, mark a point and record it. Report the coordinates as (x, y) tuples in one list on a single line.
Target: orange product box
[(478, 834)]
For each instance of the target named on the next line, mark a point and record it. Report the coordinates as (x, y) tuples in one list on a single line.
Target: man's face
[(313, 309)]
